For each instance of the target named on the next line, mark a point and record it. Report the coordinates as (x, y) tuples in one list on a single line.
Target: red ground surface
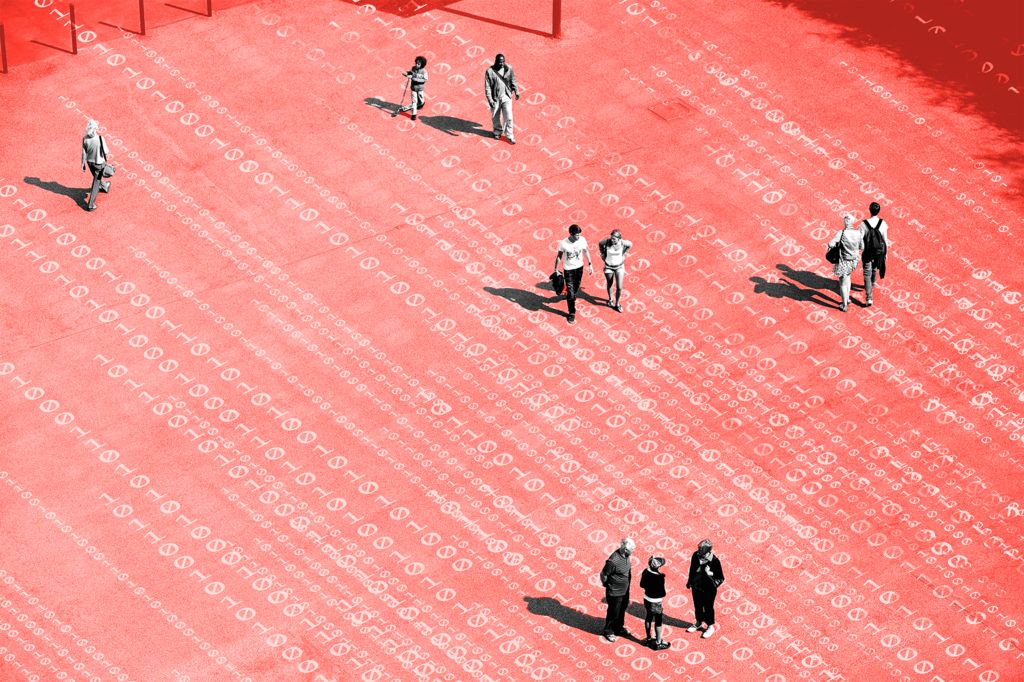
[(295, 403)]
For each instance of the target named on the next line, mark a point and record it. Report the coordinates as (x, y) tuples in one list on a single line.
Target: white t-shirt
[(614, 254), (573, 252)]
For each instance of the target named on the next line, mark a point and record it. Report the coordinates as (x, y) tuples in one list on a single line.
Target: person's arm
[(512, 81), (836, 239), (606, 572), (693, 571), (558, 258), (884, 230), (718, 576), (83, 156), (590, 264), (626, 246), (488, 88)]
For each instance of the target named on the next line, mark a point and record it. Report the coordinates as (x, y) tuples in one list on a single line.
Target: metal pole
[(142, 17), (3, 48), (556, 19), (209, 8), (74, 31)]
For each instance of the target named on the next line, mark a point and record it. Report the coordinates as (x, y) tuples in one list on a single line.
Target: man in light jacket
[(499, 87)]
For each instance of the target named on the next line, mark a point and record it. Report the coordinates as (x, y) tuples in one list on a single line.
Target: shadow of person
[(784, 289), (546, 606), (79, 195), (454, 126), (378, 103), (527, 300), (809, 280), (637, 610)]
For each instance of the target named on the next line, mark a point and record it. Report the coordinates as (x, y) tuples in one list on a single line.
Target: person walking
[(851, 242), (573, 250), (652, 581), (613, 252), (876, 246), (616, 577), (94, 156), (417, 76), (704, 579), (499, 87)]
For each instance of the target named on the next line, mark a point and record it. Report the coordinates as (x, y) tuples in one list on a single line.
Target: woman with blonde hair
[(94, 154), (851, 243)]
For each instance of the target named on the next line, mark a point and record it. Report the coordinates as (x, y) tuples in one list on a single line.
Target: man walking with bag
[(94, 154), (499, 87), (573, 250), (876, 246)]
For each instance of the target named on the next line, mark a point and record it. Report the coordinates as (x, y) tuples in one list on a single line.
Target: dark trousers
[(97, 182), (704, 606), (869, 278), (573, 280), (614, 622)]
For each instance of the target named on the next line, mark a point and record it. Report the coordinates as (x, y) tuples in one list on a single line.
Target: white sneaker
[(692, 628), (707, 633)]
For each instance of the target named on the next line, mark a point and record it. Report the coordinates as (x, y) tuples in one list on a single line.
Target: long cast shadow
[(527, 300), (78, 194), (552, 608), (409, 8), (378, 103), (637, 609), (454, 126)]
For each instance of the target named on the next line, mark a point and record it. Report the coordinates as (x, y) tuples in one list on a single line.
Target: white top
[(615, 254), (573, 252)]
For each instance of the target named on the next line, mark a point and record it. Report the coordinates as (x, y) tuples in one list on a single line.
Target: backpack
[(874, 243)]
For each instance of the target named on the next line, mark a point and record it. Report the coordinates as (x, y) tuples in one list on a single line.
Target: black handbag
[(108, 170), (834, 252), (557, 282)]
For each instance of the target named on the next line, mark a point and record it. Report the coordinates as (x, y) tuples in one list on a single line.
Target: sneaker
[(511, 141), (623, 633), (497, 136), (692, 628), (414, 117), (662, 645), (572, 319), (618, 308), (707, 633), (868, 303), (609, 636), (90, 208), (105, 187)]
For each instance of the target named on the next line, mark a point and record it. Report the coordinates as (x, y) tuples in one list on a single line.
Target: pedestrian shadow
[(638, 610), (528, 300), (799, 285), (378, 103), (77, 194), (454, 126), (552, 608)]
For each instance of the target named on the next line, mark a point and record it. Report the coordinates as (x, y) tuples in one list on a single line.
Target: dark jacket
[(699, 579), (616, 574), (653, 584)]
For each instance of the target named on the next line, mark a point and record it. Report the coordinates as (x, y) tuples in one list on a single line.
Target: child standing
[(652, 581), (417, 76)]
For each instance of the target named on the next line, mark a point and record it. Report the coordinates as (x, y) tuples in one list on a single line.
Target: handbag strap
[(102, 153)]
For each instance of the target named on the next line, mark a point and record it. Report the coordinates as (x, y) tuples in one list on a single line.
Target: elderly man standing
[(499, 87), (616, 576)]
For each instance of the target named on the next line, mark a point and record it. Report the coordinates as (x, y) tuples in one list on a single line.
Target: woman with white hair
[(94, 154), (851, 243), (705, 577)]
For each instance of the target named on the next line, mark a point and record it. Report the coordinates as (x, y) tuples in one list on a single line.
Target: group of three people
[(703, 580)]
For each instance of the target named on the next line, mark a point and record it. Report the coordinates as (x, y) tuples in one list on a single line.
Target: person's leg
[(496, 120), (510, 133), (869, 281), (609, 619), (618, 287), (661, 643), (698, 611), (648, 619), (97, 182), (709, 613), (572, 284), (609, 277), (620, 616), (844, 290)]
